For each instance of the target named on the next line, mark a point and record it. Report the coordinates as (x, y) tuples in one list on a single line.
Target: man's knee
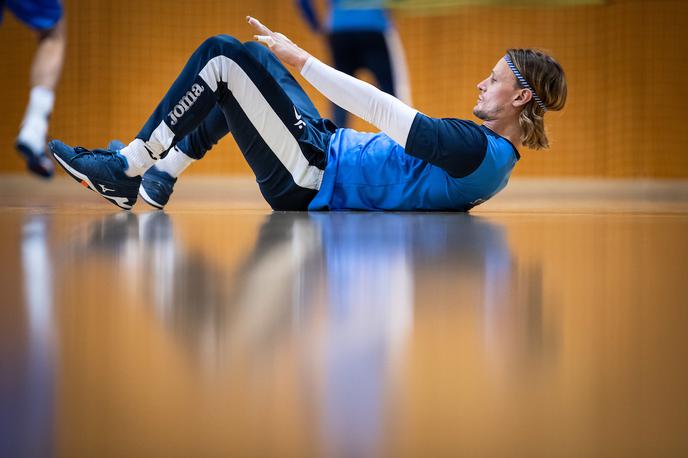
[(256, 49), (265, 57), (55, 33), (222, 44)]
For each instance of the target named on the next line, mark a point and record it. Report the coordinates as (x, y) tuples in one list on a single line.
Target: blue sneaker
[(156, 187), (99, 170), (36, 161)]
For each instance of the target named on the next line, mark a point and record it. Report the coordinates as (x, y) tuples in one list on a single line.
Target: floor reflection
[(27, 386), (340, 289), (217, 331)]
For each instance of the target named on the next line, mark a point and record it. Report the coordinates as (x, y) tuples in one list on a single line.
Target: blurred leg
[(45, 73), (345, 56)]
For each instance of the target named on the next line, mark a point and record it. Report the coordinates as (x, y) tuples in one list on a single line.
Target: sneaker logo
[(104, 188), (299, 122), (185, 103)]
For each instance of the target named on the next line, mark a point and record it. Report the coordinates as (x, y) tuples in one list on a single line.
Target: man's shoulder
[(500, 142), (447, 131)]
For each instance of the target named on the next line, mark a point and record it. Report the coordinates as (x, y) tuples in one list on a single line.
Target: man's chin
[(480, 114)]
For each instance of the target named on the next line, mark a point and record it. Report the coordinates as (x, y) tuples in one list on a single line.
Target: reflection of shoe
[(100, 170), (156, 187), (113, 233), (156, 228), (36, 161)]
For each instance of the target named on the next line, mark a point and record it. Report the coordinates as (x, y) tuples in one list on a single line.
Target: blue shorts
[(37, 14)]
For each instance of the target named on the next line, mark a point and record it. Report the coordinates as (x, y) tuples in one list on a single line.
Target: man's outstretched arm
[(384, 111)]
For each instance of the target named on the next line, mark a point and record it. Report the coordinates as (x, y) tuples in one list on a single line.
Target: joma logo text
[(185, 103)]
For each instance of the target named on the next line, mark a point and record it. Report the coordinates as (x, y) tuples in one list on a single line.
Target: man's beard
[(485, 115)]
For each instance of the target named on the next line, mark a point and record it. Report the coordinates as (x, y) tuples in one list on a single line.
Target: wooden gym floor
[(549, 322)]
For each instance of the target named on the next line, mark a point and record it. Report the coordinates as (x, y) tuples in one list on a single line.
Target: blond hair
[(547, 79)]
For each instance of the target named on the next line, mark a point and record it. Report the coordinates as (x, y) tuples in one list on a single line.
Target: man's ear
[(523, 96)]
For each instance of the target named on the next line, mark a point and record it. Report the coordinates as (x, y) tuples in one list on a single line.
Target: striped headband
[(523, 82)]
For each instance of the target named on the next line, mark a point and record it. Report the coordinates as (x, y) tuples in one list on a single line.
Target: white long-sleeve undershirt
[(384, 111)]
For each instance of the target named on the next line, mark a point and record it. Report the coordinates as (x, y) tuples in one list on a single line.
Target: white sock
[(174, 163), (138, 157), (34, 127)]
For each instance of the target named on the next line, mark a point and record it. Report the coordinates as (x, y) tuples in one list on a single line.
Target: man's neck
[(509, 130)]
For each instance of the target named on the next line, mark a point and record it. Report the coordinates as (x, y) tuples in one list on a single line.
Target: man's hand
[(280, 45)]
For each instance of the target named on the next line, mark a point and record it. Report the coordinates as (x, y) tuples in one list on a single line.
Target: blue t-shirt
[(349, 15), (37, 14), (447, 164)]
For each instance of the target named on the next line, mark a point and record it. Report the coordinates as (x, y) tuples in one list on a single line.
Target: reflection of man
[(46, 18), (343, 286), (339, 290)]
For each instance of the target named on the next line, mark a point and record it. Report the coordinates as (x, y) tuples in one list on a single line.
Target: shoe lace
[(102, 153)]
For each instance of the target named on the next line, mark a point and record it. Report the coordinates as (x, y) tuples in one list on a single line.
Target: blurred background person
[(361, 36), (46, 18)]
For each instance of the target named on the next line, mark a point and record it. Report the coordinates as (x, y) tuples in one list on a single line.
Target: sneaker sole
[(26, 153), (121, 202), (144, 195)]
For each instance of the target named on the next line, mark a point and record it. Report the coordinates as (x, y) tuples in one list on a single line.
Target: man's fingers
[(255, 23), (283, 37), (269, 41)]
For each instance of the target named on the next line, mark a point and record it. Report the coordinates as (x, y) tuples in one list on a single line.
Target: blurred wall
[(624, 61)]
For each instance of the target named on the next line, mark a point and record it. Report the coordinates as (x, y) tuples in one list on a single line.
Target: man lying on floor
[(302, 161)]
